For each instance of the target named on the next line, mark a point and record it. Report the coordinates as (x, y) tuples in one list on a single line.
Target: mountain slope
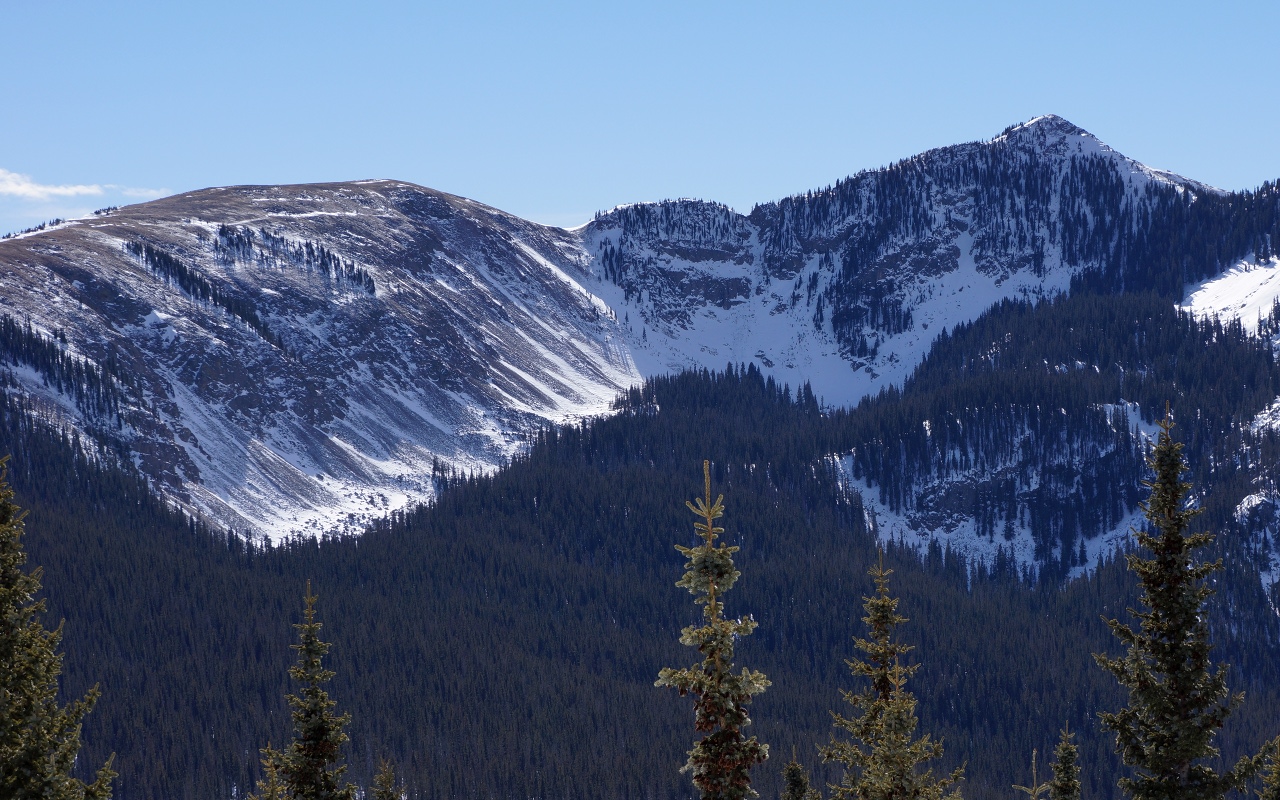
[(286, 359)]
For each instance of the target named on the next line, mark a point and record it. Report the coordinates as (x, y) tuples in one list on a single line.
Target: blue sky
[(555, 110)]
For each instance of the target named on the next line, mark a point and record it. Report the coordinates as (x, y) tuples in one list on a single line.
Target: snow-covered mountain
[(300, 359), (848, 286)]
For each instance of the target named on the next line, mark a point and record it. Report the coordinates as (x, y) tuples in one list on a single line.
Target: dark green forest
[(504, 641)]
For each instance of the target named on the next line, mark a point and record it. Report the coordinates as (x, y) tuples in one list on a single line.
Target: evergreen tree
[(384, 783), (39, 739), (721, 762), (271, 786), (882, 755), (1066, 770), (1177, 702), (309, 766), (795, 781)]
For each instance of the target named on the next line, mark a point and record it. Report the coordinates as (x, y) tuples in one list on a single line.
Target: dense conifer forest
[(504, 641)]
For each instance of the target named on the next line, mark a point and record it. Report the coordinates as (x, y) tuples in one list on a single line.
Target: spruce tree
[(1066, 770), (384, 783), (271, 786), (882, 755), (310, 767), (795, 782), (39, 739), (721, 761), (1177, 701)]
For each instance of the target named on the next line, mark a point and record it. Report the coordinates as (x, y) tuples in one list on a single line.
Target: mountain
[(847, 287), (304, 359)]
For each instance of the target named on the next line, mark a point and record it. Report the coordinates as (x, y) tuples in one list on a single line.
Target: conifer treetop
[(311, 766), (882, 756), (795, 780), (384, 783), (721, 761), (1065, 784), (1036, 789)]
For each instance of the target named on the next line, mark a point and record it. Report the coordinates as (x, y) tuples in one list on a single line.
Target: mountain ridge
[(302, 359)]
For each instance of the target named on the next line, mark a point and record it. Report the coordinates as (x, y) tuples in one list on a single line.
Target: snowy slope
[(941, 507), (1248, 291)]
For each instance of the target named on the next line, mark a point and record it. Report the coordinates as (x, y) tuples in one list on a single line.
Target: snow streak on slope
[(1249, 292)]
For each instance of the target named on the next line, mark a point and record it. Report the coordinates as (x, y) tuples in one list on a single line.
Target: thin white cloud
[(15, 185), (130, 191)]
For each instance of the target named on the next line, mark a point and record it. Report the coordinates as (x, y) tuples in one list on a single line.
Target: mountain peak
[(1048, 124), (1050, 133)]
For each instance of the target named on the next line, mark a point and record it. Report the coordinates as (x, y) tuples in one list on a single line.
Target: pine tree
[(1066, 770), (721, 762), (882, 755), (39, 739), (384, 783), (1176, 701), (795, 781), (271, 786), (310, 766)]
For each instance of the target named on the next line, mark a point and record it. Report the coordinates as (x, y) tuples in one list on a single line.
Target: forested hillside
[(503, 642)]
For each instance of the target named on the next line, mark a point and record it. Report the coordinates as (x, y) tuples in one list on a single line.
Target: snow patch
[(1247, 291)]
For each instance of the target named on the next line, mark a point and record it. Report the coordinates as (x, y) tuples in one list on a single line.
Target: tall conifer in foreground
[(1177, 702), (721, 762), (39, 739), (882, 756), (309, 768)]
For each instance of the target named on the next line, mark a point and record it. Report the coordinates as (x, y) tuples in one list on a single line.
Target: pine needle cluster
[(722, 760)]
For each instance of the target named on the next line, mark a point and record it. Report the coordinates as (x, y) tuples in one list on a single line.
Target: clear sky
[(554, 110)]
